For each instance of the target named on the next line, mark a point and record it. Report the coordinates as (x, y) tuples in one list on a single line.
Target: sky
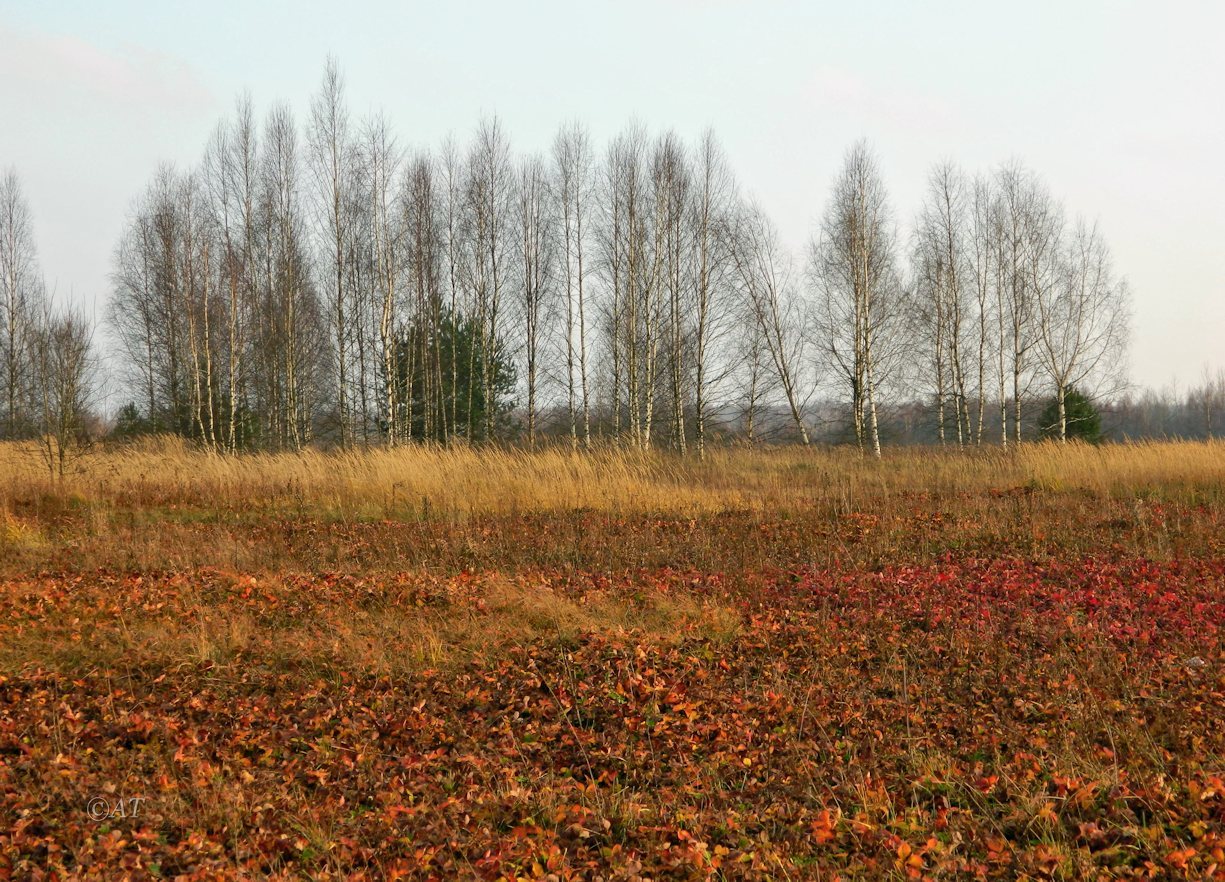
[(1118, 105)]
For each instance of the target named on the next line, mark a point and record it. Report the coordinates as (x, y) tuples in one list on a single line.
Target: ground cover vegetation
[(790, 663)]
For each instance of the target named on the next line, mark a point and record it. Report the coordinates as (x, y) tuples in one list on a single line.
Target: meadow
[(499, 664)]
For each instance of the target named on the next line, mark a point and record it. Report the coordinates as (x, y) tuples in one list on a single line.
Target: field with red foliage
[(1036, 690)]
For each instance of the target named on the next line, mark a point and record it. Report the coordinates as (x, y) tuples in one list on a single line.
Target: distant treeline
[(322, 284)]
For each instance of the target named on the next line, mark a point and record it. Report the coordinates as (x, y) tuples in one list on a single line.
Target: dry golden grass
[(207, 619), (455, 483)]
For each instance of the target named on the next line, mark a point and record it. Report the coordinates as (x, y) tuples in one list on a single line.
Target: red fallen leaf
[(987, 782), (823, 827), (1047, 858), (998, 850), (1179, 857)]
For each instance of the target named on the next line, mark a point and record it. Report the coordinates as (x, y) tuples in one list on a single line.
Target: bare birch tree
[(626, 263), (768, 284), (572, 159), (423, 253), (291, 335), (490, 206), (382, 163), (330, 159), (21, 295), (230, 174), (458, 271), (1082, 319), (853, 267), (63, 369), (671, 183), (1028, 228), (981, 267), (712, 208), (536, 263), (942, 275)]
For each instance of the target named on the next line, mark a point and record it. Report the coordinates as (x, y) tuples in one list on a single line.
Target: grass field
[(768, 664)]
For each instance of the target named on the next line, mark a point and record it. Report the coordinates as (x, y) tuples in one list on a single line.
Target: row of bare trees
[(1196, 412), (47, 363), (338, 286), (1009, 295), (321, 283), (215, 308)]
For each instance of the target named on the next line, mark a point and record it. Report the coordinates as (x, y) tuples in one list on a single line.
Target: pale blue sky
[(1117, 104)]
